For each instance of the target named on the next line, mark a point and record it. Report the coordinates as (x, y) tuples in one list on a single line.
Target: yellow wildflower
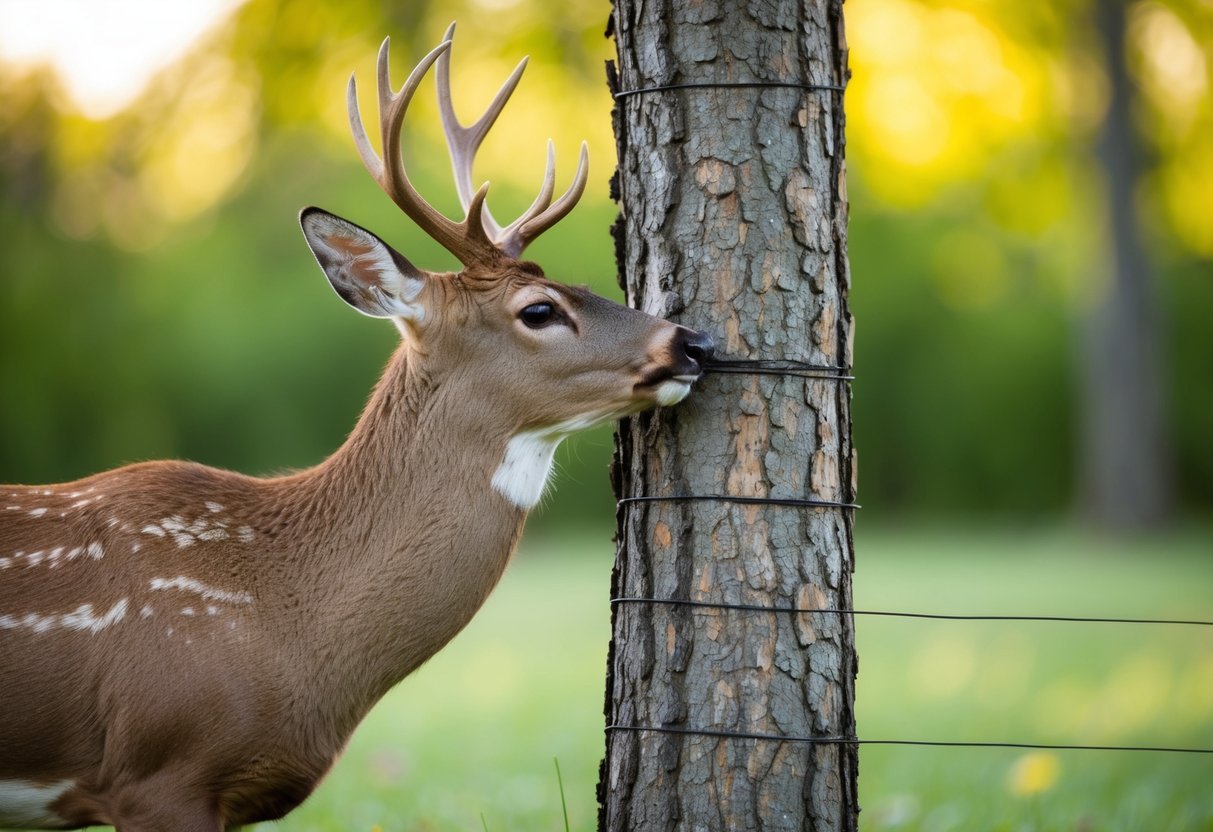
[(1034, 773)]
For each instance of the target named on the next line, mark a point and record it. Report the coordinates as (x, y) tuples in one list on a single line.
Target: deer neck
[(406, 535)]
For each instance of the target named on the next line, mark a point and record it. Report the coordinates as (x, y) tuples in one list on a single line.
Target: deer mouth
[(667, 386), (674, 390), (661, 375)]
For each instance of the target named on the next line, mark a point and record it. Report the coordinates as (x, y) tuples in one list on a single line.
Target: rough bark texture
[(733, 221), (1127, 459)]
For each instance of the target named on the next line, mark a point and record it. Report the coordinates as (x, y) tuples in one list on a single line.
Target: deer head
[(542, 358)]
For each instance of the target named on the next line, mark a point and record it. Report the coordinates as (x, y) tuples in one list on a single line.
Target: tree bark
[(1127, 470), (733, 221)]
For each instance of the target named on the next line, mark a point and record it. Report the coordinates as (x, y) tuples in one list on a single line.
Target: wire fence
[(714, 606), (843, 374)]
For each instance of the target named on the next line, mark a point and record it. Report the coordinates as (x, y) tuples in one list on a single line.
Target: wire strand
[(778, 367), (701, 85), (1073, 619), (728, 498), (748, 735)]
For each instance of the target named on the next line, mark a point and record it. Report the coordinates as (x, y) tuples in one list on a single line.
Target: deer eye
[(538, 314)]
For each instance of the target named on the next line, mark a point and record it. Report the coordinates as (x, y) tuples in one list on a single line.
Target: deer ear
[(366, 272)]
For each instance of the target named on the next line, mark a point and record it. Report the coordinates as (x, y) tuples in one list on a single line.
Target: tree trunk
[(1126, 465), (733, 221)]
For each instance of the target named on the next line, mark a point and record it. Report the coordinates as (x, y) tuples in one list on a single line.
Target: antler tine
[(478, 238), (466, 240), (463, 141), (508, 240), (370, 159), (535, 221)]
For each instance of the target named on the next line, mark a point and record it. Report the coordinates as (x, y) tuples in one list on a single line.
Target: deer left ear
[(366, 272)]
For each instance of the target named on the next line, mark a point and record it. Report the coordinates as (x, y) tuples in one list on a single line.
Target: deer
[(189, 649)]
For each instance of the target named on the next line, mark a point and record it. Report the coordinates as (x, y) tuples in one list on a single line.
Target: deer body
[(279, 604), (185, 648)]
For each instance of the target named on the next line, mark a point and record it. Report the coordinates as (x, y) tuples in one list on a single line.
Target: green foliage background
[(156, 299)]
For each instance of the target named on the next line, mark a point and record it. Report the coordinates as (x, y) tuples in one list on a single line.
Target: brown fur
[(356, 571)]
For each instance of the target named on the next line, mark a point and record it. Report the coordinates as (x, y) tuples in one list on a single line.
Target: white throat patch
[(523, 473)]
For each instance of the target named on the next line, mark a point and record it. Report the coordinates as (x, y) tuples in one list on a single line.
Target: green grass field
[(468, 741)]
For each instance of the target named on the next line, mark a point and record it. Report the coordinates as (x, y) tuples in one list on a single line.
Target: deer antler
[(478, 239), (463, 143), (466, 240)]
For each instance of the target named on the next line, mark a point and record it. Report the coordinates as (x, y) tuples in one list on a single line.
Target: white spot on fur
[(213, 508), (37, 512), (189, 611), (208, 593), (245, 533), (145, 611), (211, 609), (83, 619), (26, 804), (80, 619), (188, 533), (51, 557), (135, 547), (153, 529), (176, 527)]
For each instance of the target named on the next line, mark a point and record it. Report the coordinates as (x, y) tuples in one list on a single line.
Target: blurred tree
[(1126, 467)]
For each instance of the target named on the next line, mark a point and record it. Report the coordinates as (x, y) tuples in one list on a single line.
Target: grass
[(467, 742), (1054, 683)]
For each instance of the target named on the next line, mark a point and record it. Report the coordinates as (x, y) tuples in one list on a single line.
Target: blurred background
[(156, 298), (1031, 241)]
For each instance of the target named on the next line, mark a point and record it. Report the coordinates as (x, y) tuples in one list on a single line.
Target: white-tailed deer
[(185, 649)]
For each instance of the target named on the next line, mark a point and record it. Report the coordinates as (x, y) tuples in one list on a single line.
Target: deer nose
[(697, 347)]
